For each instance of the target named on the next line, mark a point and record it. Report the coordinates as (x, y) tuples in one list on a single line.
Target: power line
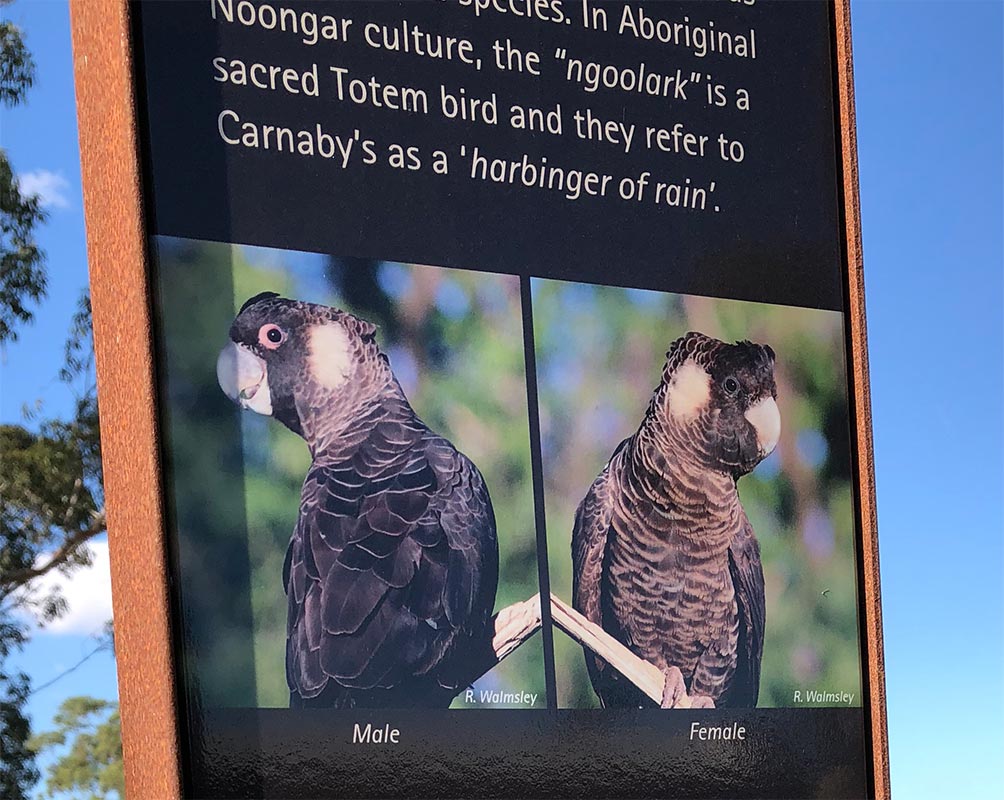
[(66, 672)]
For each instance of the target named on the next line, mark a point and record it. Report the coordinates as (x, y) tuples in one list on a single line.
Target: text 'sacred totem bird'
[(392, 567), (664, 557)]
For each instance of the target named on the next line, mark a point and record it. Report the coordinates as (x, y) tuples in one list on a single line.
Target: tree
[(50, 483), (17, 762), (22, 271), (50, 479), (88, 741), (50, 475)]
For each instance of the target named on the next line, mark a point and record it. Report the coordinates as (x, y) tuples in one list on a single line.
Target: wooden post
[(874, 675), (123, 339)]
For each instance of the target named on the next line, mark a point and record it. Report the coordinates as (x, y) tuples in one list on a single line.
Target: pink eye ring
[(270, 336)]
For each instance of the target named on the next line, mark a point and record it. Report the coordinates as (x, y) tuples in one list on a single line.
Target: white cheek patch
[(766, 421), (689, 391), (329, 355)]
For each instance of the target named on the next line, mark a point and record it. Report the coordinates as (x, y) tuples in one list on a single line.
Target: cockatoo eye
[(731, 385), (270, 336)]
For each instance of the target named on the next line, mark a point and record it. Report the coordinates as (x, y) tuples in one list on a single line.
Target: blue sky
[(929, 108), (929, 100)]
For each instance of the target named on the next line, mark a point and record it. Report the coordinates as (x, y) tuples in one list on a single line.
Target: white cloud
[(88, 595), (51, 187)]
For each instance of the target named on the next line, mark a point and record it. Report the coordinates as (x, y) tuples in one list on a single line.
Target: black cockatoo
[(392, 567), (664, 557)]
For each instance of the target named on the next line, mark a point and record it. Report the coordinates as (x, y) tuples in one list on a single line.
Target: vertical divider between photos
[(861, 397), (116, 248), (537, 468)]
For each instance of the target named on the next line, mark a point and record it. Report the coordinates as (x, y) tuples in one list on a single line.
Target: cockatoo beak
[(766, 421), (243, 377)]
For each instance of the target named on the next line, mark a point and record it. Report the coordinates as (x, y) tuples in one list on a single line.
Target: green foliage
[(50, 480), (18, 773), (207, 507), (17, 68), (78, 352), (22, 272), (600, 353), (50, 475), (87, 745)]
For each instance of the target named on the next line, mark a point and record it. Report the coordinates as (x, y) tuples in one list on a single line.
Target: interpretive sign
[(484, 397)]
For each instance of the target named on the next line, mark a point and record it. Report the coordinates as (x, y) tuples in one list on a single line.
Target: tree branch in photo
[(514, 624), (647, 677), (509, 628)]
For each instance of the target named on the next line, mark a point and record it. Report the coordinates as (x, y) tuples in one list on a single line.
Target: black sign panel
[(465, 303)]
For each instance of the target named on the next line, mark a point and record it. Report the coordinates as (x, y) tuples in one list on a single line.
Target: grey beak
[(243, 377)]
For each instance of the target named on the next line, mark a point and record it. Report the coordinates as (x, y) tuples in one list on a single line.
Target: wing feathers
[(348, 598), (394, 555), (747, 579)]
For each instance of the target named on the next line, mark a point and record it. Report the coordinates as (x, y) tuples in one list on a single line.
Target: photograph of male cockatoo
[(355, 504), (392, 567), (705, 524)]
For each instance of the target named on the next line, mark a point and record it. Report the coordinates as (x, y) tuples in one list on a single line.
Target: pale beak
[(766, 421), (243, 377)]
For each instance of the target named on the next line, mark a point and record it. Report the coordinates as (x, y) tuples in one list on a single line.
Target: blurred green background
[(600, 353), (455, 342)]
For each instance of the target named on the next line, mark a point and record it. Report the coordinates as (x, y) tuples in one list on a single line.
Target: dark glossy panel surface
[(777, 238), (780, 242), (803, 753)]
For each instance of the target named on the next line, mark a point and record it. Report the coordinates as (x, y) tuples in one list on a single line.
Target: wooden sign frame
[(120, 286)]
